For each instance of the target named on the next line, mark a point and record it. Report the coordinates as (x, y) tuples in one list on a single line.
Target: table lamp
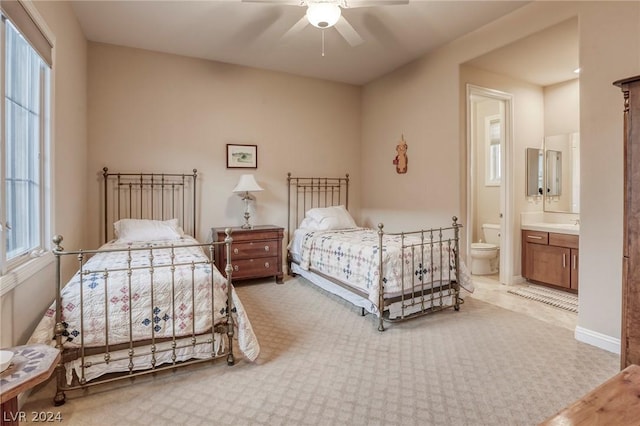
[(246, 185)]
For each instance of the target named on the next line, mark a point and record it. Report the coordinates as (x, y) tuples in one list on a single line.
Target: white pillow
[(127, 230), (327, 218), (308, 223)]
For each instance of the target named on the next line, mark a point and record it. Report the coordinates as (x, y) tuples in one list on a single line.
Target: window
[(493, 131), (25, 134)]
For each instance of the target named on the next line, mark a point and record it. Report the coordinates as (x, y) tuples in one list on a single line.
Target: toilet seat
[(483, 246)]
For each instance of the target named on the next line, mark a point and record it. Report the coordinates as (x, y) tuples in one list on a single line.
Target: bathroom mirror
[(562, 173), (553, 166), (535, 172)]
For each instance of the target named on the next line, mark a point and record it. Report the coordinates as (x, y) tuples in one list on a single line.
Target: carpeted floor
[(322, 363)]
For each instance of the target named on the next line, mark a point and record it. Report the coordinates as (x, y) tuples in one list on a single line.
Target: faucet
[(576, 221)]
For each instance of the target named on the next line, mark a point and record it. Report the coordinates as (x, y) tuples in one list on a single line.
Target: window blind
[(15, 11)]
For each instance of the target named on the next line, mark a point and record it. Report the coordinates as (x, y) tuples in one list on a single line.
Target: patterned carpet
[(323, 364), (558, 298)]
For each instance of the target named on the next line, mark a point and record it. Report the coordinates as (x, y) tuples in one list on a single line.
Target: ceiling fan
[(325, 14)]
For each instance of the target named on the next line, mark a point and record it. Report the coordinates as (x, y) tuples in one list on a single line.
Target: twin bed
[(152, 297), (395, 276)]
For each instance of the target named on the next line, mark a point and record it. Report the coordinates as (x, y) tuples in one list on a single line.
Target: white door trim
[(506, 186)]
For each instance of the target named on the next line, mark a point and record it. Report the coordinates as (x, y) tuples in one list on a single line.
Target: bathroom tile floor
[(489, 289)]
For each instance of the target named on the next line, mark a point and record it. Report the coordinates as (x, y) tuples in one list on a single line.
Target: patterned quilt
[(353, 256), (157, 303)]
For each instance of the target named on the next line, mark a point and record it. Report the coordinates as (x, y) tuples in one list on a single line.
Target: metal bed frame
[(309, 192), (144, 196), (149, 196)]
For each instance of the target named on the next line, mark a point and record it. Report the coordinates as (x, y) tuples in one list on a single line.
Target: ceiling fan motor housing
[(323, 14)]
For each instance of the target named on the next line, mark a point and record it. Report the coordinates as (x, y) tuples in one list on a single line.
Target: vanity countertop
[(558, 228)]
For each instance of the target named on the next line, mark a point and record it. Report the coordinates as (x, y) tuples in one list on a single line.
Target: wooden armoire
[(630, 338)]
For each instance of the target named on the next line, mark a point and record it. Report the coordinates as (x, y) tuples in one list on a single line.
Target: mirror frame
[(566, 196), (553, 173), (535, 172)]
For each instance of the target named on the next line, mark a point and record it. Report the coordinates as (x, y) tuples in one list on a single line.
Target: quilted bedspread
[(353, 257), (156, 303)]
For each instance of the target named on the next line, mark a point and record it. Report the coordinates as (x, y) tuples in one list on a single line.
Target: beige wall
[(417, 102), (562, 108), (160, 112), (423, 101), (562, 117), (23, 307), (609, 50)]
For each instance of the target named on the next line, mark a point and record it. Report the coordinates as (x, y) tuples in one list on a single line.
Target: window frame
[(17, 270), (492, 163)]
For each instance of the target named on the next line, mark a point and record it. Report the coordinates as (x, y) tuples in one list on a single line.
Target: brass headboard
[(159, 196), (305, 193)]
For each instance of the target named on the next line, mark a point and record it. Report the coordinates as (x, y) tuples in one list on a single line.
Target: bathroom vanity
[(550, 255)]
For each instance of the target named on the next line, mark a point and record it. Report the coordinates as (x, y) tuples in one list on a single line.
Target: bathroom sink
[(564, 228)]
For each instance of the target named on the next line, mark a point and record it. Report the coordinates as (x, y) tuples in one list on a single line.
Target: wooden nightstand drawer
[(255, 252), (254, 268), (240, 235), (251, 250)]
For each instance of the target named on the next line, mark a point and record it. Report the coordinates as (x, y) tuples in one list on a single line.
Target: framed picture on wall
[(242, 156)]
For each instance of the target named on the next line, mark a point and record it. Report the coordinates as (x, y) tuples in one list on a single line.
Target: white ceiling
[(250, 34)]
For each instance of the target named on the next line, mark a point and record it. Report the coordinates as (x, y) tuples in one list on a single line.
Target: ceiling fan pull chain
[(322, 42)]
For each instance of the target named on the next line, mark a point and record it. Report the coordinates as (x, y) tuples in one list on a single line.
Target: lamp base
[(246, 225)]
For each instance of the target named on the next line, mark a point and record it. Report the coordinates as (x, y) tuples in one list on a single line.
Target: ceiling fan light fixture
[(323, 15)]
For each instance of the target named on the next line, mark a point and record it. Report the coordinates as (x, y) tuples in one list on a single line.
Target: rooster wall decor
[(401, 161)]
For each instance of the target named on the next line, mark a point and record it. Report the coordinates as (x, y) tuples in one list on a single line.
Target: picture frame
[(242, 156)]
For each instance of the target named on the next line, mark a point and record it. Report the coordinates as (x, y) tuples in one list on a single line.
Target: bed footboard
[(395, 276), (429, 273), (183, 331)]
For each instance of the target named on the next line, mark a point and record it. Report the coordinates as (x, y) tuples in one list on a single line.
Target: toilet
[(485, 256)]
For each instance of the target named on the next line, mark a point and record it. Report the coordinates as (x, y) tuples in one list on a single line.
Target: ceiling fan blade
[(280, 2), (348, 32), (369, 3), (296, 28)]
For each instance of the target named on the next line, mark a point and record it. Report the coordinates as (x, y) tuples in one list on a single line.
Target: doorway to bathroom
[(489, 135), (541, 71)]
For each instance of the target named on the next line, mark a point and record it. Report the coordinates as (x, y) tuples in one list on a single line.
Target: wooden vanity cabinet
[(550, 258), (574, 268)]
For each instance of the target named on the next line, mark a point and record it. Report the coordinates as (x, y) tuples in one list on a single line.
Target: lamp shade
[(247, 183), (323, 15)]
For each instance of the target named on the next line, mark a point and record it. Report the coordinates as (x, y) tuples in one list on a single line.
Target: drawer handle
[(266, 265), (235, 251), (266, 248), (534, 237), (564, 260), (235, 268), (575, 261)]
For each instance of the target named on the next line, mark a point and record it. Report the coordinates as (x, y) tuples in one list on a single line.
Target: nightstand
[(31, 365), (255, 252)]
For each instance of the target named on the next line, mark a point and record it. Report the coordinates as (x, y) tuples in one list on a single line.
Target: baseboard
[(517, 279), (598, 340)]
